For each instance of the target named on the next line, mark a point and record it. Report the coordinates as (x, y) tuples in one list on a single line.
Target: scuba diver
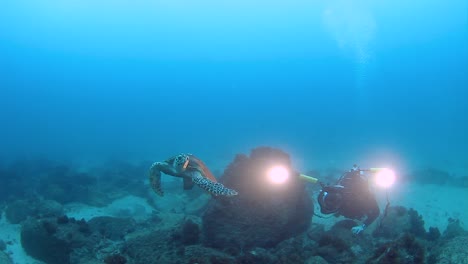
[(192, 170), (351, 198)]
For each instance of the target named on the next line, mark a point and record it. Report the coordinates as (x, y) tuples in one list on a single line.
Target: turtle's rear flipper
[(188, 184), (214, 188)]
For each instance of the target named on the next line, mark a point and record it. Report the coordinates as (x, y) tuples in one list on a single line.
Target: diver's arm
[(155, 177), (372, 214)]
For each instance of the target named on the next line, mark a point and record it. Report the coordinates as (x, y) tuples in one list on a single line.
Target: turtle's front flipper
[(155, 178), (214, 188)]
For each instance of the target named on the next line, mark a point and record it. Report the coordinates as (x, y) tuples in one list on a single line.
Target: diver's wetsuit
[(358, 201)]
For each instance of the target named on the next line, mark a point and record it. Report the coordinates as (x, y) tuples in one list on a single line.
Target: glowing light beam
[(385, 178), (278, 174)]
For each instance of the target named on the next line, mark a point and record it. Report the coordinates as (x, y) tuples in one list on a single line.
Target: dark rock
[(433, 234), (18, 211), (49, 208), (453, 251), (190, 233), (263, 214), (157, 247), (115, 259), (202, 255), (4, 259), (122, 178), (83, 227), (63, 220), (417, 224), (462, 182), (112, 227), (292, 250), (335, 242), (340, 245), (316, 260), (152, 248), (63, 183), (40, 244), (335, 246), (2, 245), (454, 229), (399, 221), (21, 177), (50, 242), (430, 176), (406, 249), (316, 231)]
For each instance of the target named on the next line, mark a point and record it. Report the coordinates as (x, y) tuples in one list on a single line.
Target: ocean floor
[(129, 206), (10, 234), (435, 203)]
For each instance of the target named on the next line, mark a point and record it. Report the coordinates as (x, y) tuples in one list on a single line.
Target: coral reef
[(29, 179), (19, 210), (112, 228), (404, 250), (454, 229), (66, 240), (115, 259), (263, 214), (190, 233), (433, 234), (158, 246), (52, 243), (266, 223), (316, 260), (339, 245), (400, 220), (4, 259), (453, 251), (2, 245)]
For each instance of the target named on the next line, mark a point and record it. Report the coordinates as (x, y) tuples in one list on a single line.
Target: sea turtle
[(192, 170)]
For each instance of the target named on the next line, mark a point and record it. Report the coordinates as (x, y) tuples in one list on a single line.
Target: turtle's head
[(181, 162)]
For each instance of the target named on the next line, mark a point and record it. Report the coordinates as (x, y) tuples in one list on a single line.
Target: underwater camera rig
[(332, 197)]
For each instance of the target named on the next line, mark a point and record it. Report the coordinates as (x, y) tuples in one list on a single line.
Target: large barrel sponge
[(263, 214)]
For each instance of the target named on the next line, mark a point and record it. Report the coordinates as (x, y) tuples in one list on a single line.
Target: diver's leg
[(214, 188)]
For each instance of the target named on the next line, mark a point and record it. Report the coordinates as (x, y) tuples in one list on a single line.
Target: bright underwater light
[(385, 178), (278, 174)]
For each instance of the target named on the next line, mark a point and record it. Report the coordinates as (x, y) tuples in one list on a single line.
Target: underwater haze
[(331, 82)]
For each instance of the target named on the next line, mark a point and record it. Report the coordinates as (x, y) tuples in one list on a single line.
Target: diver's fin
[(188, 183)]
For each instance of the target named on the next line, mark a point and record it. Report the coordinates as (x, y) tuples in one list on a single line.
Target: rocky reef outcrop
[(4, 259), (19, 210), (53, 240), (64, 183), (62, 240)]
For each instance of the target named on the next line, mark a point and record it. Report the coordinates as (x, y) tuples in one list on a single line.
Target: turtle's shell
[(198, 164)]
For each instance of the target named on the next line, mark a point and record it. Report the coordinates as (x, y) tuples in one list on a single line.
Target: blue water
[(331, 82)]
